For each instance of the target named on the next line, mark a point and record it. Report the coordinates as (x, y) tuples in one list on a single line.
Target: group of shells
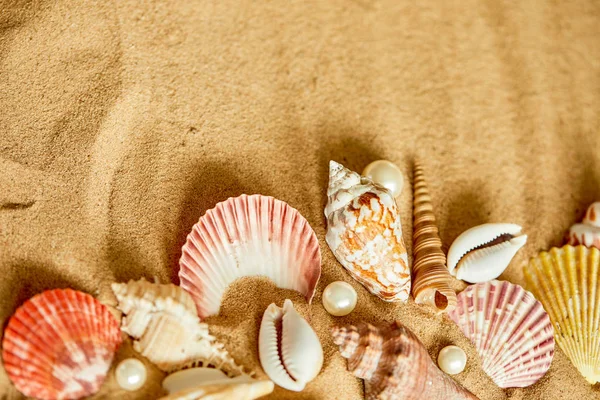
[(61, 343)]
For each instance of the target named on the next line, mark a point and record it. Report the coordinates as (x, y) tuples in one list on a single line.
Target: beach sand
[(122, 122)]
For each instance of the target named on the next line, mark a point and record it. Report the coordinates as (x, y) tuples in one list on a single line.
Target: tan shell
[(394, 364), (164, 322), (224, 391), (431, 279), (364, 233)]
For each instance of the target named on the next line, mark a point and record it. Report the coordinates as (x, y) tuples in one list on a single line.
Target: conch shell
[(364, 233), (165, 324), (587, 232), (288, 348), (394, 364), (431, 279)]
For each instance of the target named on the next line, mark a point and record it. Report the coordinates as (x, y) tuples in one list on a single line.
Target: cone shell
[(59, 345), (248, 236), (364, 233), (394, 364), (510, 330), (566, 282), (291, 355), (431, 279), (587, 232), (163, 321)]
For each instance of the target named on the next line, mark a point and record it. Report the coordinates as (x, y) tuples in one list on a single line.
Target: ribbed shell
[(394, 364), (510, 330), (431, 279), (248, 236), (566, 282), (163, 321), (59, 345)]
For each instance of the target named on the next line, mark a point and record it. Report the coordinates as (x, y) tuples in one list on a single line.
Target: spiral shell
[(587, 232), (431, 279), (394, 364), (364, 233)]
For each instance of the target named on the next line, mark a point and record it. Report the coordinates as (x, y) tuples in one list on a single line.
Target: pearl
[(452, 360), (131, 374), (339, 298), (387, 174)]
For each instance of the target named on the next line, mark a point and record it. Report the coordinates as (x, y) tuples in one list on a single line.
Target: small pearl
[(387, 174), (452, 360), (339, 298), (131, 374)]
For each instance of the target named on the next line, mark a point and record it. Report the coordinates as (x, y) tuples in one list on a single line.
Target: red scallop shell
[(60, 344)]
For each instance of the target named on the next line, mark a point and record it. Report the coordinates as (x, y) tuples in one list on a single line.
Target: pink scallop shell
[(59, 345), (510, 330), (248, 236)]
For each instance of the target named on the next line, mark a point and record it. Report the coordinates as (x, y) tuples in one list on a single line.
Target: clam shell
[(394, 364), (163, 321), (472, 264), (566, 282), (248, 236), (59, 345), (510, 330), (364, 233), (588, 232), (291, 356), (431, 279)]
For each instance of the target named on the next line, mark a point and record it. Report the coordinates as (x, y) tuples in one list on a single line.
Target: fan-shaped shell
[(394, 364), (364, 233), (59, 345), (431, 279), (510, 330), (248, 236), (566, 282), (163, 321), (291, 356)]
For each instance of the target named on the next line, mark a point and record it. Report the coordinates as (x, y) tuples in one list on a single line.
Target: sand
[(122, 122)]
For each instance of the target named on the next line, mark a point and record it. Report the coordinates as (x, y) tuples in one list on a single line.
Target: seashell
[(163, 321), (248, 236), (431, 279), (59, 345), (566, 282), (364, 233), (510, 330), (196, 383), (394, 364), (587, 232), (288, 348), (482, 253)]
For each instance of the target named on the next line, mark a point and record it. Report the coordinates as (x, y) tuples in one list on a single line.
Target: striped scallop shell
[(248, 236), (510, 330), (566, 282), (60, 344)]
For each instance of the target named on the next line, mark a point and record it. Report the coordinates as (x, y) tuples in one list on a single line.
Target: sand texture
[(122, 122)]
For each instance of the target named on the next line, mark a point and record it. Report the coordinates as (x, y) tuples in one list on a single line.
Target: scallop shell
[(248, 236), (59, 345), (482, 253), (163, 321), (196, 383), (394, 364), (587, 232), (431, 279), (364, 233), (566, 282), (510, 330), (291, 356)]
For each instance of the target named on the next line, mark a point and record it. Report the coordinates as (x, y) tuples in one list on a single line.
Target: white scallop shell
[(301, 352), (510, 330), (248, 236), (473, 265)]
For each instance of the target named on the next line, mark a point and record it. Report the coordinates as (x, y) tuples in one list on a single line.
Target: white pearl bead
[(387, 174), (452, 360), (339, 298), (131, 374)]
